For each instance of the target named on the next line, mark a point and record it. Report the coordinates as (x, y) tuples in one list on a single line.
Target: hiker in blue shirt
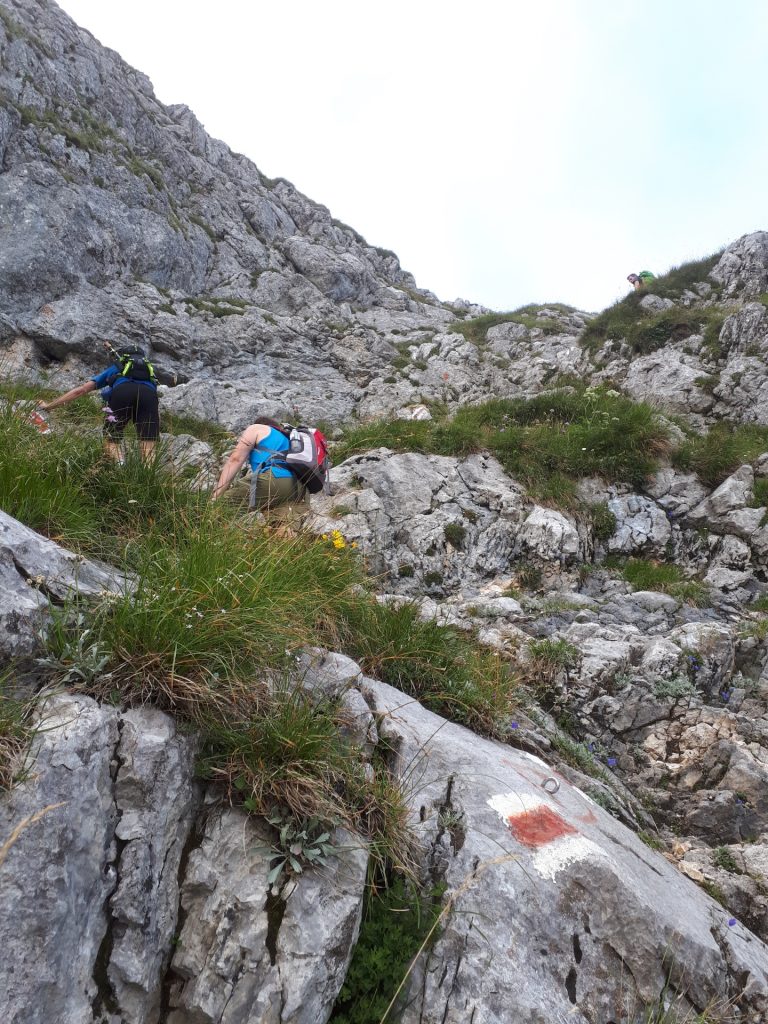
[(130, 387), (273, 486)]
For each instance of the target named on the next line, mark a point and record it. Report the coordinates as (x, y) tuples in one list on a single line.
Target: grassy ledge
[(546, 443)]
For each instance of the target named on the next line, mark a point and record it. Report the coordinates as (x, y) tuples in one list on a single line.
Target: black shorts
[(133, 403)]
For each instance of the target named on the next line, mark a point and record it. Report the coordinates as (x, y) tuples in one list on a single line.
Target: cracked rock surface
[(136, 902), (35, 572), (557, 912)]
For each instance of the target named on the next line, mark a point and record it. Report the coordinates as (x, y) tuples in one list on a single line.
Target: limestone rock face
[(35, 572), (133, 900), (58, 877), (242, 956), (545, 891), (743, 267)]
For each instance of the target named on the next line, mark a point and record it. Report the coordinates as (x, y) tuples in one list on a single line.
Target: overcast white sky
[(508, 151)]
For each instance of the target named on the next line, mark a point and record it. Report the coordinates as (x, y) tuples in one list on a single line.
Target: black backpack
[(134, 365)]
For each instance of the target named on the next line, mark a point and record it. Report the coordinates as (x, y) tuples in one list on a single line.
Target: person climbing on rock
[(129, 388), (270, 448), (641, 281)]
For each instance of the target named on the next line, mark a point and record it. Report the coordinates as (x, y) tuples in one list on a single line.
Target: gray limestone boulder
[(743, 268), (35, 573), (642, 527), (553, 911), (243, 957)]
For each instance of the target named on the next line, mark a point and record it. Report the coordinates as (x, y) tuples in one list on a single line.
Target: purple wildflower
[(731, 922), (513, 725), (611, 762)]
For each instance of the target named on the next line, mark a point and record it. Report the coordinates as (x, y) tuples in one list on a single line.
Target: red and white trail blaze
[(538, 825)]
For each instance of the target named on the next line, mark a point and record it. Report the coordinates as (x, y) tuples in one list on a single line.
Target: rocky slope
[(138, 896), (121, 218)]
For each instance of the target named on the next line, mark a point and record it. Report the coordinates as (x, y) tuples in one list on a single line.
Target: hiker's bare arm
[(69, 396), (250, 436)]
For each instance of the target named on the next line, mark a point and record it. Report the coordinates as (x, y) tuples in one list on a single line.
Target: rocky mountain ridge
[(122, 218)]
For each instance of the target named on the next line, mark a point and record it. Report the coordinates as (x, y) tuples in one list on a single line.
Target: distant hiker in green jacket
[(129, 391), (642, 280)]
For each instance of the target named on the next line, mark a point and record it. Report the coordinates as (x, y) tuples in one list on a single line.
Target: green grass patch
[(646, 331), (217, 608), (547, 443), (437, 665), (715, 455), (685, 277), (476, 329), (16, 732), (760, 493), (643, 574)]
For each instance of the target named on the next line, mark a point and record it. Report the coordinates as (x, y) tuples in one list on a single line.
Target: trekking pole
[(112, 351)]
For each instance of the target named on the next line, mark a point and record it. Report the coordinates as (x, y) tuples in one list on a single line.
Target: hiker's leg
[(116, 419), (238, 496), (147, 450), (273, 491), (283, 501), (146, 416), (113, 450)]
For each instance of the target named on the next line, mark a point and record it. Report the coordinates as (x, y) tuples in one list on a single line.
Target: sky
[(509, 151)]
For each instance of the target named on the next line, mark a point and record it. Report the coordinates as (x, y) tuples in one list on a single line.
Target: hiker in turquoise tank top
[(272, 486)]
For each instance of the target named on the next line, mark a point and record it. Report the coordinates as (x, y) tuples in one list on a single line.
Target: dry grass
[(24, 824)]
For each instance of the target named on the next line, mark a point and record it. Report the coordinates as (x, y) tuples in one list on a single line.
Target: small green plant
[(529, 576), (81, 657), (301, 843), (760, 493), (674, 688), (553, 654), (433, 579), (603, 522), (578, 755), (338, 511), (761, 604), (650, 840), (397, 923), (405, 570), (714, 890), (757, 629), (455, 534), (723, 858), (16, 731)]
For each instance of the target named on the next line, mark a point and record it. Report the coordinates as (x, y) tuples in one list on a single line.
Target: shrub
[(396, 924), (455, 533)]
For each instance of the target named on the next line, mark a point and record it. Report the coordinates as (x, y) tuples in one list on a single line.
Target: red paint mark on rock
[(539, 826)]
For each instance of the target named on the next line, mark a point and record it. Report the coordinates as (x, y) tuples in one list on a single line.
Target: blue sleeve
[(101, 379)]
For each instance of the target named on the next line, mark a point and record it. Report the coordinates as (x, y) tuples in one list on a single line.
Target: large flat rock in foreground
[(556, 911)]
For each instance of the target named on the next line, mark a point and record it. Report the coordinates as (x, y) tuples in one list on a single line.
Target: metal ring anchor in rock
[(550, 785)]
